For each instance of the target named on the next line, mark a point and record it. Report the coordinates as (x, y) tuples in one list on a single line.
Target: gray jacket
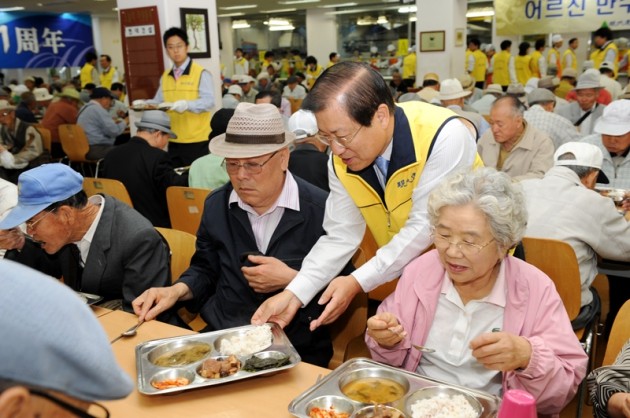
[(573, 112)]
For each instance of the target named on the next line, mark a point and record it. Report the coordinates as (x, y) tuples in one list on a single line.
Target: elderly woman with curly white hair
[(495, 322)]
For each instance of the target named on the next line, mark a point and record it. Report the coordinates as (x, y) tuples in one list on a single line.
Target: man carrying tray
[(263, 210)]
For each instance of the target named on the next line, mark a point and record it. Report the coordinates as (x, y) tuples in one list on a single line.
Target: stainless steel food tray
[(147, 370), (329, 385)]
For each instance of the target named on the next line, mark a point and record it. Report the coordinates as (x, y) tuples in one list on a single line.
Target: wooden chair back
[(74, 142), (295, 104), (619, 334), (110, 187), (46, 137), (185, 207), (558, 261)]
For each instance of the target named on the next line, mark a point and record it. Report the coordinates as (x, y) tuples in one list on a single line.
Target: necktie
[(178, 73), (382, 164), (76, 268)]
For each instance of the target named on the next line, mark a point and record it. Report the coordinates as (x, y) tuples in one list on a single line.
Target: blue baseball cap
[(39, 188), (52, 340)]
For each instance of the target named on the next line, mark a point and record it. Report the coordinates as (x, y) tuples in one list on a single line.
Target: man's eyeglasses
[(232, 167), (175, 47), (341, 141), (467, 248), (98, 410), (30, 224)]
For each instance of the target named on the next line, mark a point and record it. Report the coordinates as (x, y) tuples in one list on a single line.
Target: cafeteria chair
[(558, 261), (181, 247), (111, 187), (185, 207), (46, 138), (619, 334), (75, 145), (296, 104)]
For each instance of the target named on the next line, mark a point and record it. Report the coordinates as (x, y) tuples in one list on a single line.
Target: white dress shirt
[(454, 149), (86, 241)]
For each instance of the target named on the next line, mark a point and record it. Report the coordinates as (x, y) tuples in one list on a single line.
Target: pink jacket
[(533, 310)]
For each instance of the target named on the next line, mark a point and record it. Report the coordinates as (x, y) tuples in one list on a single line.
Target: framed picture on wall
[(459, 37), (195, 21), (432, 41)]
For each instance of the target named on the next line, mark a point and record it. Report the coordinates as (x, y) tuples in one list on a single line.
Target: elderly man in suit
[(99, 245), (584, 112)]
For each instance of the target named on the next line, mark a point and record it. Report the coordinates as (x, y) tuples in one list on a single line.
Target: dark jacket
[(127, 256), (221, 292), (146, 172), (308, 163)]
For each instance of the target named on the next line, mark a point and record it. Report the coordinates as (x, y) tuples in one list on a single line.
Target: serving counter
[(260, 397)]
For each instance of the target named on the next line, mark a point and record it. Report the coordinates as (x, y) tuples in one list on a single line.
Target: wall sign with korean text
[(44, 40), (528, 17)]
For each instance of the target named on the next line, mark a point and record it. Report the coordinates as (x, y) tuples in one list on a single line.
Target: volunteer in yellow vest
[(386, 161), (409, 66), (89, 73), (477, 63), (241, 65), (605, 49), (313, 70), (188, 89), (267, 61), (333, 58), (523, 64), (504, 73), (538, 64), (553, 56), (569, 58), (109, 74)]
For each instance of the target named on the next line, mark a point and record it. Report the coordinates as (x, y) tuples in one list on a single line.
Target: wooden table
[(260, 397)]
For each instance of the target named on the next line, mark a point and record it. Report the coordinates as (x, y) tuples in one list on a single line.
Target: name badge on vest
[(406, 182)]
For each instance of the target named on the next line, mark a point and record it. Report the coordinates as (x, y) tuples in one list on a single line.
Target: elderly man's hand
[(501, 351), (156, 300), (338, 296), (619, 405), (11, 239), (269, 275), (280, 309), (385, 329)]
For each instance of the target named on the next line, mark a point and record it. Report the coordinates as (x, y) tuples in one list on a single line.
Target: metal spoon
[(129, 333)]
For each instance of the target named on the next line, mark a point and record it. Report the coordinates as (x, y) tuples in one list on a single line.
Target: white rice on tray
[(455, 406), (252, 341)]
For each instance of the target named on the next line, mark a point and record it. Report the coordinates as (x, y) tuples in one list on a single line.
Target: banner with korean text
[(42, 40), (528, 17)]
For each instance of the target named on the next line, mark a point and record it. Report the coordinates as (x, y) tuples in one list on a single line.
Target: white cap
[(556, 38), (391, 47), (246, 79), (586, 155), (235, 89), (452, 89), (615, 120), (263, 74), (303, 123)]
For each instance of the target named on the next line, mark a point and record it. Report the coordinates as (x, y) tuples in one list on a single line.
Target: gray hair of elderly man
[(492, 192), (517, 107)]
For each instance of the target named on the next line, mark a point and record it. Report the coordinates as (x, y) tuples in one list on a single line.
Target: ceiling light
[(277, 22), (330, 6), (480, 13), (287, 27), (278, 10), (413, 18), (298, 1), (366, 21), (240, 24), (382, 20), (408, 9), (11, 9), (231, 14), (244, 6)]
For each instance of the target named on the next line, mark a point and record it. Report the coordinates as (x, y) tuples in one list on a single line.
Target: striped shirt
[(264, 225)]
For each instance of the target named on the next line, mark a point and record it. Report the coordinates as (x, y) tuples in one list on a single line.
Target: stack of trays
[(175, 364), (351, 391)]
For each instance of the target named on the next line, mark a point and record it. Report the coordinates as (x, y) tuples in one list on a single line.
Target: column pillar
[(447, 16), (321, 34)]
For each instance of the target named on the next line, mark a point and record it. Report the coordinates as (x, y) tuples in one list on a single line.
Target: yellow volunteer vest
[(522, 65), (481, 65), (190, 127), (534, 67), (554, 56), (298, 63), (86, 74), (425, 121), (599, 55), (239, 66), (314, 74), (501, 74), (569, 53), (409, 66), (107, 78)]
